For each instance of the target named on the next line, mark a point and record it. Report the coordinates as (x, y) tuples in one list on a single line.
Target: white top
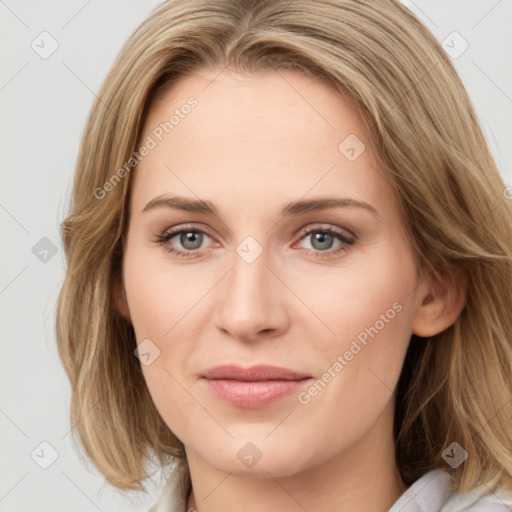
[(430, 493)]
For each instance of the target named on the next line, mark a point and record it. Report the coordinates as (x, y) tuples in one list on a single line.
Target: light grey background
[(44, 103)]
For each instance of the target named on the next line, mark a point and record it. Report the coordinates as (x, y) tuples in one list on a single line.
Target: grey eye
[(191, 240), (321, 240)]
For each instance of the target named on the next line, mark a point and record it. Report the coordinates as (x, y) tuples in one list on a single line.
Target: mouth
[(253, 387)]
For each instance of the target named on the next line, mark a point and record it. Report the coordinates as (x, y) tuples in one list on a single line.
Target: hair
[(454, 386)]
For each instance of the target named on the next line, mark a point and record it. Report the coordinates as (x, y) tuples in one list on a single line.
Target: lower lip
[(253, 394)]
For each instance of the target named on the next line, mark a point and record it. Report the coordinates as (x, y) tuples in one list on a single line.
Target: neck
[(363, 477)]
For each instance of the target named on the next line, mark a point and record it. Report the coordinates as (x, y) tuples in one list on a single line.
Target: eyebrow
[(295, 208)]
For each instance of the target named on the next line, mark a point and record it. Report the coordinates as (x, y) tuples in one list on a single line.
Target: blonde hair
[(455, 386)]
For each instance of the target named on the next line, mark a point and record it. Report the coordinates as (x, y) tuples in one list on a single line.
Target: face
[(327, 293)]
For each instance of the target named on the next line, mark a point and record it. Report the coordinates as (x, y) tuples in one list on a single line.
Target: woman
[(289, 266)]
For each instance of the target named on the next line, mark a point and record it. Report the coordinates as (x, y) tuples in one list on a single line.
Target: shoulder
[(433, 493)]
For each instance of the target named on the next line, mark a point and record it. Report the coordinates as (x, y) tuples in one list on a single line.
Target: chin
[(258, 459), (276, 467)]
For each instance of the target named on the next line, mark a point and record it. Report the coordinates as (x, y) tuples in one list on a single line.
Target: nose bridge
[(249, 299), (248, 284)]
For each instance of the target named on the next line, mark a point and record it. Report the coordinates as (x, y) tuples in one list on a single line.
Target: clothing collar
[(174, 495)]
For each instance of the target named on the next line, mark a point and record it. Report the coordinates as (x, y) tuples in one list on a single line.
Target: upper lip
[(253, 373)]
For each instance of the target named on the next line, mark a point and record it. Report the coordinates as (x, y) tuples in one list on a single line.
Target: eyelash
[(346, 241)]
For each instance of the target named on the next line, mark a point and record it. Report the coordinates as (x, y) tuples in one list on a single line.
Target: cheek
[(160, 295), (165, 308), (366, 306), (161, 301), (371, 290)]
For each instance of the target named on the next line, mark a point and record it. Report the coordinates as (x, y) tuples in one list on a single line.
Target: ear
[(442, 299), (120, 300)]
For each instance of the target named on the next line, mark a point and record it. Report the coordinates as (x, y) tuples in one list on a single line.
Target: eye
[(322, 240), (190, 238)]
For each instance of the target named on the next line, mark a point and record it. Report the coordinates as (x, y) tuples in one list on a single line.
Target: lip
[(253, 373), (255, 386)]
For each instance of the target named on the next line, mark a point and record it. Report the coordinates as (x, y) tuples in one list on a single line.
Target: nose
[(251, 301)]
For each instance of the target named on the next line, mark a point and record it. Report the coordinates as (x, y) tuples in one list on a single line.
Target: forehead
[(273, 106), (253, 135)]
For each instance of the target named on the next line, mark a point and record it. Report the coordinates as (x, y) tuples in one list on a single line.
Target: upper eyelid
[(177, 230), (327, 227)]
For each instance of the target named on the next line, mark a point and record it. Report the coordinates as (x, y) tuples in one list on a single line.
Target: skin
[(254, 143)]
